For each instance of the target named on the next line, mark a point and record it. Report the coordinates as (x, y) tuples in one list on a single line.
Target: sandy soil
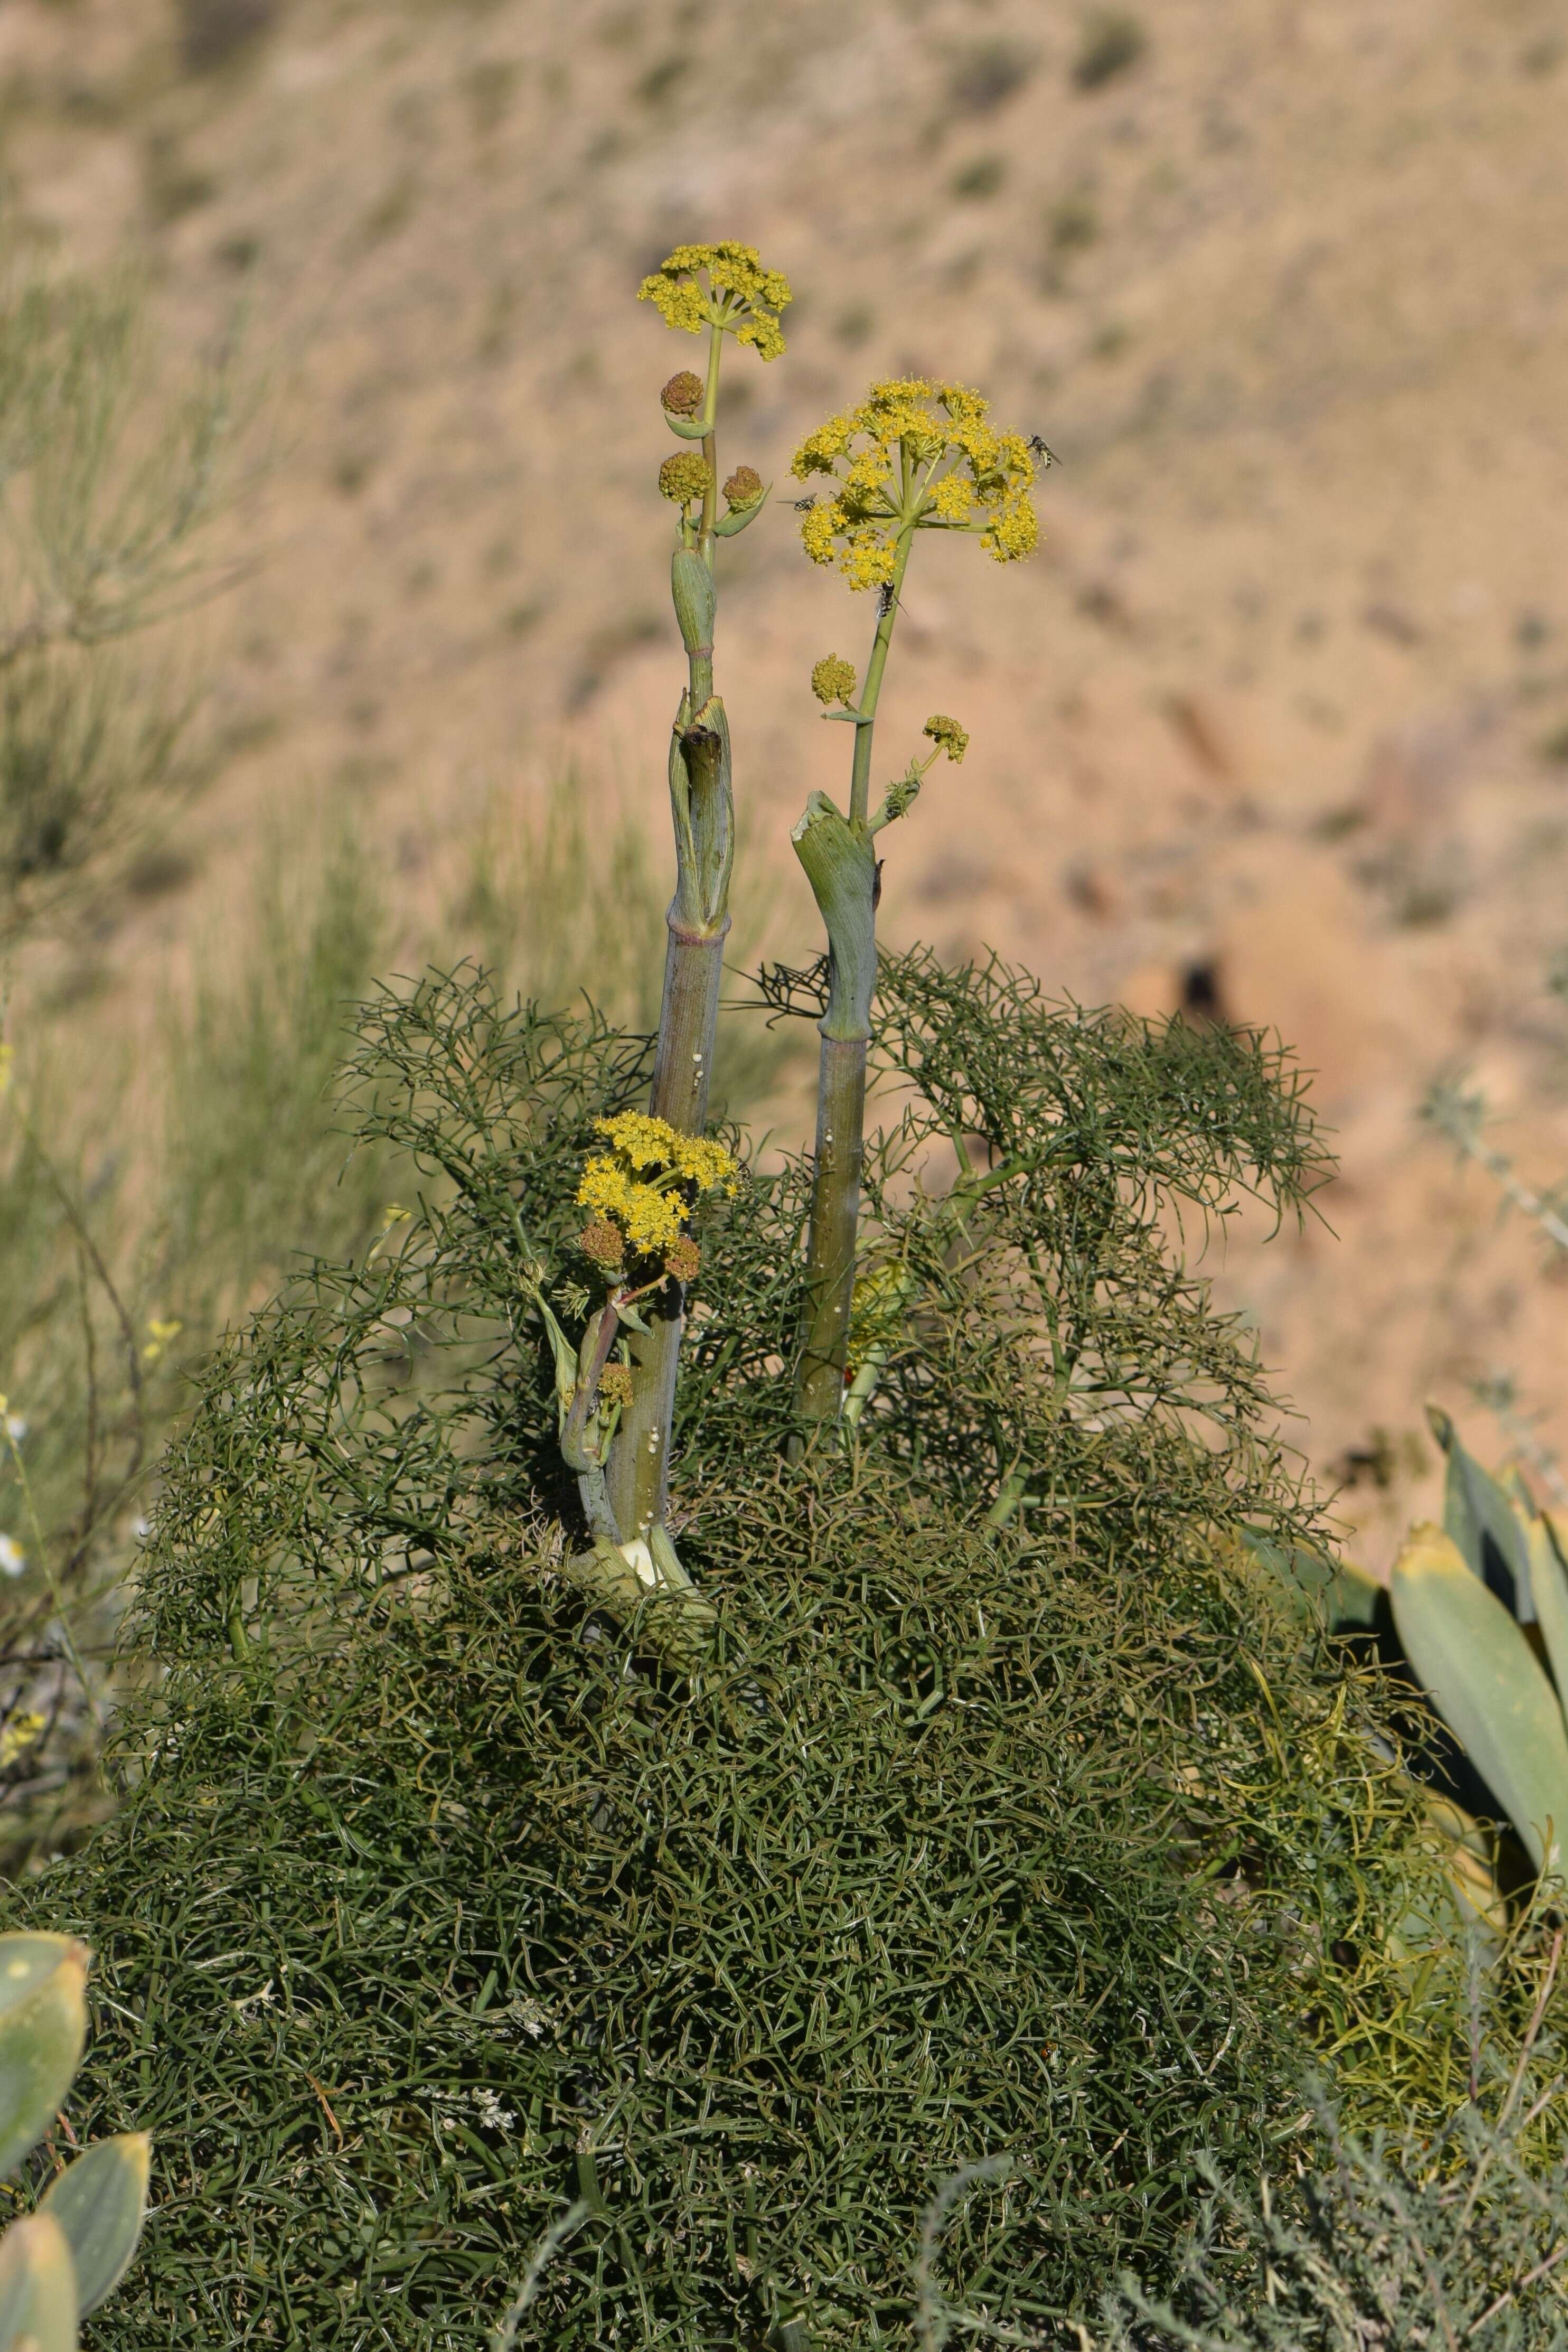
[(1265, 726)]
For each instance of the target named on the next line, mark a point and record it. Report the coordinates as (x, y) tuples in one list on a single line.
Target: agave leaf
[(99, 2202), (1486, 1522), (1549, 1582), (43, 2024), (37, 2288), (1481, 1675)]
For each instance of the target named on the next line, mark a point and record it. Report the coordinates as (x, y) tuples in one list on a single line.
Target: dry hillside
[(1277, 722)]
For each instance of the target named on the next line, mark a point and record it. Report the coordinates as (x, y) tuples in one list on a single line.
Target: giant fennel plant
[(942, 1794)]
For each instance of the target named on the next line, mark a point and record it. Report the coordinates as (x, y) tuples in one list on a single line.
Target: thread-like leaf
[(37, 2287), (42, 2025), (99, 2202), (1483, 1677)]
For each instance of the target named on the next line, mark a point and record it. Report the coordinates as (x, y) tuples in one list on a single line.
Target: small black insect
[(1037, 448), (886, 598), (804, 505)]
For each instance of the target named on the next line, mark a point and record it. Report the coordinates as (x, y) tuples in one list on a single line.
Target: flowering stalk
[(914, 456), (717, 289)]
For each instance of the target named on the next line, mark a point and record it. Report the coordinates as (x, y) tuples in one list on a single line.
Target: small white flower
[(15, 1428), (13, 1558), (491, 2113)]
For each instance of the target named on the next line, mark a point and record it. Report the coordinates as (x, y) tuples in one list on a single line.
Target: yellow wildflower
[(650, 1219), (833, 679), (741, 297), (684, 477), (916, 454), (18, 1736), (948, 736), (615, 1384), (159, 1336)]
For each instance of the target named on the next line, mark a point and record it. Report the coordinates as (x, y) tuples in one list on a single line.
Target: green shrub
[(1112, 43), (1006, 1820)]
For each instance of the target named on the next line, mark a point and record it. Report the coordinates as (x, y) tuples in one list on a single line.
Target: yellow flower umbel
[(644, 1190), (740, 297), (914, 455)]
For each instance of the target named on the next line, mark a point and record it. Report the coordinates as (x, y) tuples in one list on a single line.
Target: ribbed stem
[(688, 1023), (835, 1211)]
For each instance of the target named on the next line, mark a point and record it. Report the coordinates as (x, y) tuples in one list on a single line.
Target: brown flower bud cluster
[(682, 395), (604, 1244)]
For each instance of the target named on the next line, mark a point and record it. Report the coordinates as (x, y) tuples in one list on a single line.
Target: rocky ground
[(1275, 723)]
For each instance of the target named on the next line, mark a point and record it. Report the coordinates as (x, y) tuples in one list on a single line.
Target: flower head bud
[(682, 1259), (948, 736), (682, 395), (615, 1384), (833, 679), (744, 487), (685, 477), (603, 1243)]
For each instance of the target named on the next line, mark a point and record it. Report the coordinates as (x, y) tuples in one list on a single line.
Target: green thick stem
[(640, 1458), (702, 810), (835, 1211), (840, 865)]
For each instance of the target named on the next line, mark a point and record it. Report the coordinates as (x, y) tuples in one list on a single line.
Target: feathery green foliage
[(1408, 2241), (433, 1904)]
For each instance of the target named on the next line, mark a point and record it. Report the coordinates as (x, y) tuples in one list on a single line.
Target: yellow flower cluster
[(918, 455), (644, 1142), (948, 736), (741, 296), (833, 679), (642, 1188), (651, 1220), (685, 477)]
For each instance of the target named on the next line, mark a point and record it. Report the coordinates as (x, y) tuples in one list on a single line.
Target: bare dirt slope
[(1270, 722)]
